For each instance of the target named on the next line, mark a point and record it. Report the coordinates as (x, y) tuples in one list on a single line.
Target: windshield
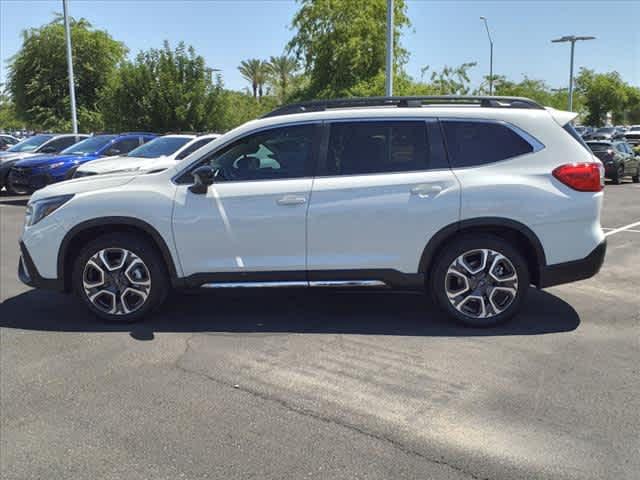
[(159, 147), (599, 147), (90, 145), (30, 144)]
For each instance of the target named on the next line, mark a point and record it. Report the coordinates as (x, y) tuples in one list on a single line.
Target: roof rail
[(481, 101)]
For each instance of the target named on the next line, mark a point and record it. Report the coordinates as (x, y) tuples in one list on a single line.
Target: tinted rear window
[(599, 147), (572, 131), (478, 143)]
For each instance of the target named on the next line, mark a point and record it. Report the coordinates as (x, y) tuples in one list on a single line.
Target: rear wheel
[(120, 277), (636, 177), (480, 280), (617, 178)]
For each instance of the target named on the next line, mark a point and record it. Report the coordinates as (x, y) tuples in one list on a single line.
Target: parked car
[(33, 146), (7, 141), (633, 135), (582, 130), (36, 172), (618, 158), (473, 204), (156, 155), (606, 133)]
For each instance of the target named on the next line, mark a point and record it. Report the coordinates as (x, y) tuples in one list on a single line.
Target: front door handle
[(426, 190), (291, 200)]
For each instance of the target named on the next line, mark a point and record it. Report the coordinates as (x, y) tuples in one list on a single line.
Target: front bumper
[(29, 275), (573, 271), (28, 179)]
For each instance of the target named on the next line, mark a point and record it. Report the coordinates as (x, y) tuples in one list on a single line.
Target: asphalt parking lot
[(287, 384)]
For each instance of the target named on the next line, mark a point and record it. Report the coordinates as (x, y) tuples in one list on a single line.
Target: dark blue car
[(36, 172)]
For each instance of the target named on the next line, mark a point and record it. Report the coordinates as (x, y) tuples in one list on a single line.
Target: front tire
[(120, 277), (14, 189), (617, 178), (636, 177), (480, 280)]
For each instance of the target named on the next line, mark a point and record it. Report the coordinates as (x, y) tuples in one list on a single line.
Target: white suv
[(472, 198)]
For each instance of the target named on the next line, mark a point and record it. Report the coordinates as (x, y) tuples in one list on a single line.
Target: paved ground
[(326, 385)]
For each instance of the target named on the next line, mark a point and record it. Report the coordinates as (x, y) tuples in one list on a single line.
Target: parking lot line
[(622, 229)]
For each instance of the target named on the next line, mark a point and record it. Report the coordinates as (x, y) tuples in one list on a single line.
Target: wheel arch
[(523, 238), (91, 229)]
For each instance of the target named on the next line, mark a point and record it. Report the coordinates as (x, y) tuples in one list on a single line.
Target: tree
[(341, 43), (255, 71), (162, 90), (281, 70), (451, 80), (603, 93), (37, 74)]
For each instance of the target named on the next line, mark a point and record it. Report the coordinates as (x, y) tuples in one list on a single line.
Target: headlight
[(56, 165), (39, 209)]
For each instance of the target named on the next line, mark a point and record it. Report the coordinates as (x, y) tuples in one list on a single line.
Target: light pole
[(388, 85), (573, 39), (486, 25), (72, 88)]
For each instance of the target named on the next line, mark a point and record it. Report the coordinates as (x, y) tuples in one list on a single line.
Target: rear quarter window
[(477, 143)]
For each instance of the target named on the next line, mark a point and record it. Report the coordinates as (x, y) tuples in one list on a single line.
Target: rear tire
[(617, 178), (636, 177), (479, 280), (120, 277)]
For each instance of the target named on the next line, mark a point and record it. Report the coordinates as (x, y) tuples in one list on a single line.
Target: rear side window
[(358, 148), (61, 143), (478, 143)]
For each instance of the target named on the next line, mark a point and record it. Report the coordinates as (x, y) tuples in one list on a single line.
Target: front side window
[(477, 143), (279, 153), (359, 148), (123, 146)]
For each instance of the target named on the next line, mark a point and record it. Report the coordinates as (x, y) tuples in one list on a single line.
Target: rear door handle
[(291, 200), (426, 190)]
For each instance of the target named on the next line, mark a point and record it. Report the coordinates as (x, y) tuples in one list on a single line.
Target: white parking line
[(622, 229), (626, 231)]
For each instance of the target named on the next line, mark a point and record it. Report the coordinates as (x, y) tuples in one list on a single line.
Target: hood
[(81, 185), (11, 156), (43, 160), (126, 164)]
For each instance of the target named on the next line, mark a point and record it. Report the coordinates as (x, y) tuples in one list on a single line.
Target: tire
[(451, 294), (636, 177), (134, 279), (13, 189), (617, 178)]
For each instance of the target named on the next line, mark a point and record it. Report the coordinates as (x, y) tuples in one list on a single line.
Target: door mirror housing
[(112, 151), (202, 177)]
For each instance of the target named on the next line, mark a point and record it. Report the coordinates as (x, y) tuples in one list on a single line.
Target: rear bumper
[(29, 275), (575, 270)]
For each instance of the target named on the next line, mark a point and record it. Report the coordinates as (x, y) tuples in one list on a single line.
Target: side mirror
[(202, 177), (48, 149), (112, 151)]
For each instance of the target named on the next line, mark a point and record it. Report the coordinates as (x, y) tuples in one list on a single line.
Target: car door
[(250, 224), (382, 190)]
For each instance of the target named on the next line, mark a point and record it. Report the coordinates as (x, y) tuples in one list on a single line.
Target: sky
[(442, 32)]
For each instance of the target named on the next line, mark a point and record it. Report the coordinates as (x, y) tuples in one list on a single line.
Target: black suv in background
[(618, 159)]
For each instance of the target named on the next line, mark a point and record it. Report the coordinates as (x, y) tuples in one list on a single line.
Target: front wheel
[(120, 277), (636, 177), (617, 178), (16, 189), (480, 280)]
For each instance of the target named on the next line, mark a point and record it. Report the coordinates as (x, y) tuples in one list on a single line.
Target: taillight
[(583, 177)]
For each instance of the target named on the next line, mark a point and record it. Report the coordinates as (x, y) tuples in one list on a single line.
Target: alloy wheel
[(481, 283), (116, 281)]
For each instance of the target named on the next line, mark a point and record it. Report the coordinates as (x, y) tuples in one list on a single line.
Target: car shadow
[(15, 202), (291, 311)]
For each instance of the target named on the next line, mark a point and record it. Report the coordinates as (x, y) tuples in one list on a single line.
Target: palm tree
[(281, 69), (255, 72)]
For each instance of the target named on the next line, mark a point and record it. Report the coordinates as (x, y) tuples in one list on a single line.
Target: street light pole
[(573, 39), (72, 88), (486, 26), (388, 87)]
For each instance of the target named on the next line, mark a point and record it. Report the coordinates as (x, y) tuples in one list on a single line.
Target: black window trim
[(310, 169), (535, 144), (431, 126)]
